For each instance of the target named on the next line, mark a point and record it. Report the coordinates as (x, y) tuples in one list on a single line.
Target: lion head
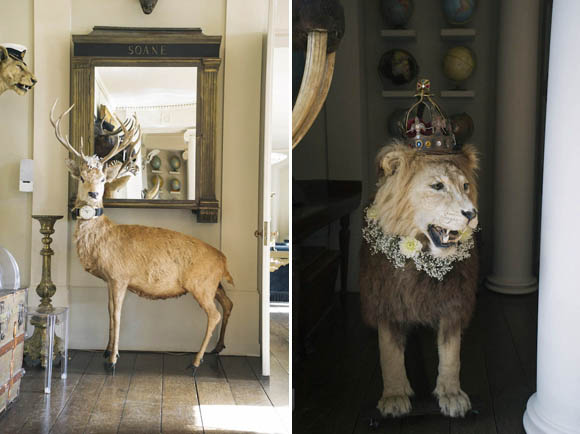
[(14, 74), (429, 196)]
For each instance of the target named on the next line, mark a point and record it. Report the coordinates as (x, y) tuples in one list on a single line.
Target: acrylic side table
[(53, 339)]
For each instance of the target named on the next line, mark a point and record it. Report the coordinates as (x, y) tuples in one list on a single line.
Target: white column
[(555, 407), (513, 206), (52, 29)]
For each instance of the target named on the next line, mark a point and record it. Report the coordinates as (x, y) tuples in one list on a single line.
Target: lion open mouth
[(23, 87), (442, 237)]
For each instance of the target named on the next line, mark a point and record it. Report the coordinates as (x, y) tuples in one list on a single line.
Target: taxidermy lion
[(419, 266), (14, 74)]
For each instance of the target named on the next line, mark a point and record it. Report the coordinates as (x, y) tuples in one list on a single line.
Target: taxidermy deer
[(152, 262)]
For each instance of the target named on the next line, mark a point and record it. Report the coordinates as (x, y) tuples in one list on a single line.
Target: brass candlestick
[(34, 346)]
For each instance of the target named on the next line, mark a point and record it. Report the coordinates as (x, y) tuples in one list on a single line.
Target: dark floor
[(339, 382), (153, 393)]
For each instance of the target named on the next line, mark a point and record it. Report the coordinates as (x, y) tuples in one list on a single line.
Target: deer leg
[(118, 291), (213, 317), (109, 349), (227, 306), (453, 401)]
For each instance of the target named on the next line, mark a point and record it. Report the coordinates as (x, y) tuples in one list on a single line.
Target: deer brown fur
[(154, 263)]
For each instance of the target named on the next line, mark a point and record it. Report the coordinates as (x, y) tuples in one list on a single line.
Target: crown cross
[(426, 128)]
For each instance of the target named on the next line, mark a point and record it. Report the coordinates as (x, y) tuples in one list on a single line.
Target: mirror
[(169, 79), (164, 100)]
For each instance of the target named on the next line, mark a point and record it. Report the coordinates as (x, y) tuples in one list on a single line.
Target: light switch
[(26, 175)]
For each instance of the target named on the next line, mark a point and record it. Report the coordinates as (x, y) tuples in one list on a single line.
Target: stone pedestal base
[(514, 288)]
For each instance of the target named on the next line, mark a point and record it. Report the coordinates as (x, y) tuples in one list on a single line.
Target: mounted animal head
[(148, 5), (432, 197), (14, 74), (93, 173)]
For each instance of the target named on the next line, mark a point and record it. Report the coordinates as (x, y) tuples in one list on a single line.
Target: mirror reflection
[(164, 100)]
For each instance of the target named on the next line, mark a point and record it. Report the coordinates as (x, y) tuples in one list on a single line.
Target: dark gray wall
[(351, 128)]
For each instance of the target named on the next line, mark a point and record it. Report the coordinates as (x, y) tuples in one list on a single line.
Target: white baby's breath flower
[(410, 246), (466, 234), (372, 213)]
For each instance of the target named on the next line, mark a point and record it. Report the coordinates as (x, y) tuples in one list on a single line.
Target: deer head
[(93, 172)]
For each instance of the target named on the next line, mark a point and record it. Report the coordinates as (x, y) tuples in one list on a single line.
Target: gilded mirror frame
[(121, 46)]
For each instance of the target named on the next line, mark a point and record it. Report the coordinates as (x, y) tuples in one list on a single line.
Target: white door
[(265, 191)]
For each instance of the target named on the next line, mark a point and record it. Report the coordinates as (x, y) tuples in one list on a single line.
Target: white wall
[(176, 324), (16, 142)]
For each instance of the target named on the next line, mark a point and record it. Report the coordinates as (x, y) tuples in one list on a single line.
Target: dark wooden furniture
[(317, 204)]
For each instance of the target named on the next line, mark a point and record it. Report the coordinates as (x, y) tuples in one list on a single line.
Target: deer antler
[(131, 135), (64, 139)]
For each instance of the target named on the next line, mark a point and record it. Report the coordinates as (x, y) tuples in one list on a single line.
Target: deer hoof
[(218, 349), (193, 369)]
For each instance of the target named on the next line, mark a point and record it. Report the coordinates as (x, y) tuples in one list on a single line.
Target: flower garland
[(399, 249)]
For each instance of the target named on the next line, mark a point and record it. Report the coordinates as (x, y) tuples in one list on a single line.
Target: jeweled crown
[(425, 127)]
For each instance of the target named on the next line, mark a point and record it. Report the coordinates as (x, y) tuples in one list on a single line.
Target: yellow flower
[(466, 234), (372, 213), (410, 246)]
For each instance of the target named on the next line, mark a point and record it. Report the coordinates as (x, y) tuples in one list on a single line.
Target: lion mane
[(402, 297), (14, 74)]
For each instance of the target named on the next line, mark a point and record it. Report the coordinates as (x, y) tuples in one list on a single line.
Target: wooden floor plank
[(521, 314), (44, 417), (30, 401), (249, 394), (107, 412), (76, 414), (279, 339), (508, 385), (421, 361), (180, 410), (368, 415), (474, 381), (275, 386), (153, 392), (142, 409)]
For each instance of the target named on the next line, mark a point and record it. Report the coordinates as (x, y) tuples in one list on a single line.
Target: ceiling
[(148, 86)]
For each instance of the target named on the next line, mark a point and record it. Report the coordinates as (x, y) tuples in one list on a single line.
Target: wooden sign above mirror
[(168, 79)]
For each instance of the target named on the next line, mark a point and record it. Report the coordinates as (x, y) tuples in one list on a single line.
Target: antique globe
[(462, 126), (399, 66), (396, 122), (397, 12), (175, 185), (175, 163), (157, 179), (156, 163), (458, 63), (458, 12)]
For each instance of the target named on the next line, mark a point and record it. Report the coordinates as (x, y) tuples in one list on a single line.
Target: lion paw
[(398, 405), (454, 404)]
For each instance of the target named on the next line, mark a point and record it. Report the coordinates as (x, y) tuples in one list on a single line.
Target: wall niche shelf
[(398, 93), (458, 34), (457, 94), (399, 33)]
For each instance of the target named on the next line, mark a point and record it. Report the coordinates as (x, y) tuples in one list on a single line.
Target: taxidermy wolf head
[(148, 5), (14, 74)]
